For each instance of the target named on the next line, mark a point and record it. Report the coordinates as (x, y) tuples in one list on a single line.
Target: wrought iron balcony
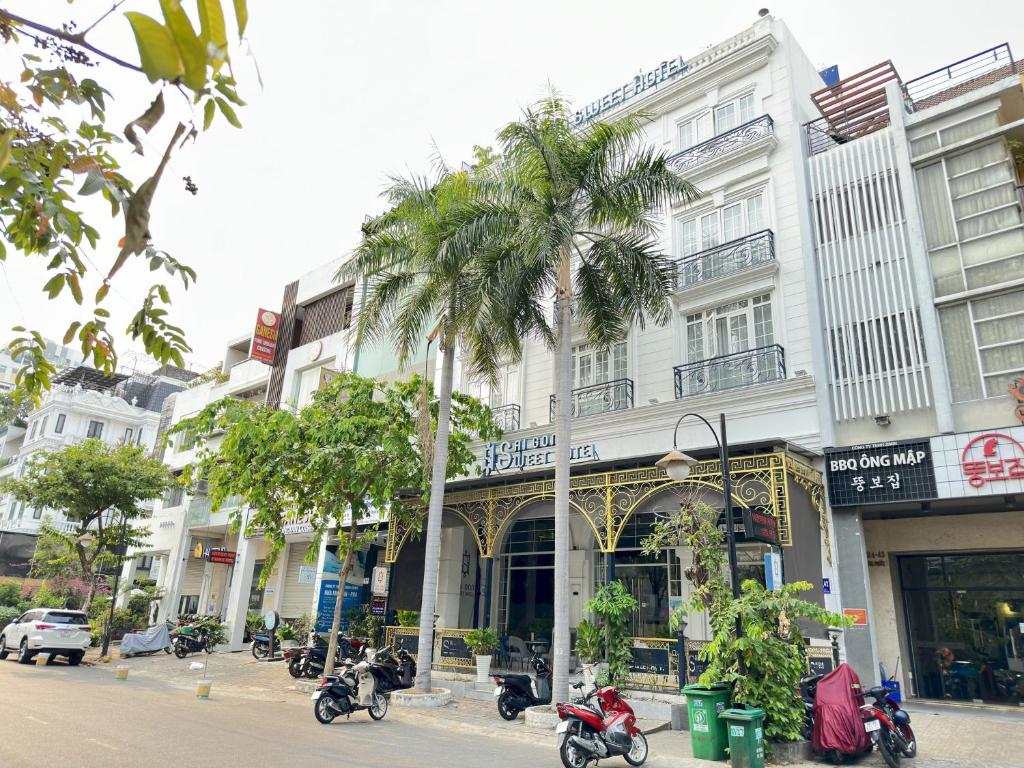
[(599, 398), (726, 259), (758, 128), (739, 369), (506, 417)]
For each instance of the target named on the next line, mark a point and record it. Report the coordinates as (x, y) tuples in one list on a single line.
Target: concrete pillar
[(237, 607), (449, 576), (855, 592), (127, 577)]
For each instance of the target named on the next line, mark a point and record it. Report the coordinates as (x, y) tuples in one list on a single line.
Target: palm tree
[(422, 276), (585, 203)]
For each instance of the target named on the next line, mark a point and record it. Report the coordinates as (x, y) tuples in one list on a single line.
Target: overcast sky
[(354, 91)]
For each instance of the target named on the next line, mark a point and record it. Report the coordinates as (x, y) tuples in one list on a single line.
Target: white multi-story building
[(60, 355), (919, 239), (83, 403)]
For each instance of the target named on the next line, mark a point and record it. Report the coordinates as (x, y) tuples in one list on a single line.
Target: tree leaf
[(208, 112), (241, 16), (145, 121), (83, 164), (72, 329), (54, 285), (157, 51), (93, 183), (75, 286), (229, 112), (214, 35), (190, 47), (5, 148), (101, 293)]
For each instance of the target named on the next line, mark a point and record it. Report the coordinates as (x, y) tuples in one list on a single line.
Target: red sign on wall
[(992, 457), (264, 338), (222, 556), (859, 616)]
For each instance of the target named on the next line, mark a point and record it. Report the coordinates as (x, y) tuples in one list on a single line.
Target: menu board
[(649, 661), (454, 647)]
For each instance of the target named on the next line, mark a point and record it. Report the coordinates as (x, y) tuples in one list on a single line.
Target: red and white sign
[(859, 616), (264, 338), (991, 458)]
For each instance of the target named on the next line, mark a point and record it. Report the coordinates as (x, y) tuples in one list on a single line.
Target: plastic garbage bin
[(746, 737), (708, 737)]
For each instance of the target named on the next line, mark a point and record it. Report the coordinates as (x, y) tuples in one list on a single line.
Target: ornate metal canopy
[(609, 499)]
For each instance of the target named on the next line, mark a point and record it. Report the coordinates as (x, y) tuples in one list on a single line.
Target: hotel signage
[(528, 452), (264, 338), (880, 473), (640, 83)]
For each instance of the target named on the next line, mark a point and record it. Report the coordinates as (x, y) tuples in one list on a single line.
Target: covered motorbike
[(838, 723), (144, 642)]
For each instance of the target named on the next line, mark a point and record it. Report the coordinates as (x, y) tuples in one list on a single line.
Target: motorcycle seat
[(878, 692), (522, 681)]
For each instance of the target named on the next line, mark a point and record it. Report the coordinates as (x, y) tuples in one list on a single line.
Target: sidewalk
[(948, 737)]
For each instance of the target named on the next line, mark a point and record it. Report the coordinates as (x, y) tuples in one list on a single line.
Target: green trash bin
[(707, 732), (746, 737)]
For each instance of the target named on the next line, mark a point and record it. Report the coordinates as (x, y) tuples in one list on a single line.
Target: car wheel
[(24, 655), (75, 659), (3, 648)]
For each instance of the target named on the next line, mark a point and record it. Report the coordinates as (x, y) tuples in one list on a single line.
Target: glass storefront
[(527, 603), (965, 613)]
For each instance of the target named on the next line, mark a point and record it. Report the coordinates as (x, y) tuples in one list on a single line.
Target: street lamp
[(678, 465)]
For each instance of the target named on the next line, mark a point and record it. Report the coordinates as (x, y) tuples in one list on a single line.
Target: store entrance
[(964, 614), (527, 605)]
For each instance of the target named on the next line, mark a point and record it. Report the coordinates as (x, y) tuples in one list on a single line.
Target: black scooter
[(354, 688), (517, 692), (393, 674)]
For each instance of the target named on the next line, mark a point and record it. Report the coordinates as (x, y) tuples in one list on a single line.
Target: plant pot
[(483, 668), (289, 644)]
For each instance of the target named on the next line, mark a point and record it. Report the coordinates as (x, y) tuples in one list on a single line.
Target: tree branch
[(78, 40), (113, 8)]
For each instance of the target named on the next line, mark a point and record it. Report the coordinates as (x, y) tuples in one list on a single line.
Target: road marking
[(102, 744), (36, 720)]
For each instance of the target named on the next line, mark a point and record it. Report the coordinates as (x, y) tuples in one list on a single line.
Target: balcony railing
[(739, 369), (726, 259), (758, 128), (599, 398), (961, 77), (506, 417)]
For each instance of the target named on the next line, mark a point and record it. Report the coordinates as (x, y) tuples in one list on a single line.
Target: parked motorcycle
[(352, 690), (260, 646), (393, 674), (889, 726), (191, 638), (597, 726), (517, 692), (314, 658)]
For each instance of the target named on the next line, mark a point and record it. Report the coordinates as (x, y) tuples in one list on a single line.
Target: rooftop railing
[(726, 259), (960, 77), (692, 157)]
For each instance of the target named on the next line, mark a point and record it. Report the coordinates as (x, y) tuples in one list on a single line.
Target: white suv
[(47, 630)]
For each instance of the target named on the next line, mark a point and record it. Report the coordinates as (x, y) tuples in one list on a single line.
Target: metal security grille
[(326, 315), (284, 338)]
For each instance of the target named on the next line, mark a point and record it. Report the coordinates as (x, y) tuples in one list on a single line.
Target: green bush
[(286, 632), (8, 613), (589, 642), (614, 605), (10, 593), (408, 618), (482, 642)]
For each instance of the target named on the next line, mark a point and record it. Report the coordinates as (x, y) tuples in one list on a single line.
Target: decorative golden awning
[(608, 499)]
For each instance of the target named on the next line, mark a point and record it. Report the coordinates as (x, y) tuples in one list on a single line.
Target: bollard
[(42, 659), (121, 672), (203, 689)]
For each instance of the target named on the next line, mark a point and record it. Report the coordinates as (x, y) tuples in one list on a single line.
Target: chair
[(504, 652), (517, 652)]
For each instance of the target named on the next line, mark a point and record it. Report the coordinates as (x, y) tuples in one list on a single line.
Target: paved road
[(58, 715)]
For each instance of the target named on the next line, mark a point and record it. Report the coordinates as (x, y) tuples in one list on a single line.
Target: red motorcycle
[(889, 726), (597, 726)]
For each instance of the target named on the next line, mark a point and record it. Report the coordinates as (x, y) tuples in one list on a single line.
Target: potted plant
[(589, 646), (483, 643), (286, 635)]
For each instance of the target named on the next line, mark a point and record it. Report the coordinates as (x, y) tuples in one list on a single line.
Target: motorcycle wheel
[(295, 668), (309, 672), (260, 651), (887, 746), (506, 710), (180, 651), (637, 754), (322, 710), (379, 708), (571, 756), (168, 650), (910, 750)]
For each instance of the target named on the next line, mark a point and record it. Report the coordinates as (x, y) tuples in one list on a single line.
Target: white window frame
[(708, 323), (700, 220)]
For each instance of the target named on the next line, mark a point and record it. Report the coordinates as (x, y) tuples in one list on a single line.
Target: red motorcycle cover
[(837, 721)]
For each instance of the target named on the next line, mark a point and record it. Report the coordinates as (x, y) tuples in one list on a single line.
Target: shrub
[(482, 642), (408, 618), (613, 604), (8, 613), (10, 593), (286, 632), (589, 642), (44, 598)]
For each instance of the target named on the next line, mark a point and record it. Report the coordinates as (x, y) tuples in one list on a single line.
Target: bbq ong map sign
[(527, 452), (880, 472), (640, 83)]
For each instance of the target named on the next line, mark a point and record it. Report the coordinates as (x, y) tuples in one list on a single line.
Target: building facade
[(919, 240)]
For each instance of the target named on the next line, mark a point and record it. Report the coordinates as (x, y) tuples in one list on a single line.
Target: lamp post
[(113, 596), (678, 465)]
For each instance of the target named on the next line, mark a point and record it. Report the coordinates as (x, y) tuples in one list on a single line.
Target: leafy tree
[(353, 450), (421, 263), (614, 605), (765, 664), (97, 487), (14, 410), (578, 215), (56, 148)]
